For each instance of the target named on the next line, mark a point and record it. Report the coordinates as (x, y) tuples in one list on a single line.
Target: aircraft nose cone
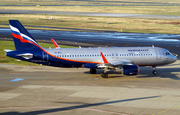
[(174, 58)]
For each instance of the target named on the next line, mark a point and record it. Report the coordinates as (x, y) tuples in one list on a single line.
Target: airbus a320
[(125, 60)]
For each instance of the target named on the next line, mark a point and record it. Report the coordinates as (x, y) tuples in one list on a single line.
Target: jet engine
[(90, 65), (130, 69)]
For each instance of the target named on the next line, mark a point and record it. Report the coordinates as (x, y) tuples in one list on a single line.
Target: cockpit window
[(167, 53)]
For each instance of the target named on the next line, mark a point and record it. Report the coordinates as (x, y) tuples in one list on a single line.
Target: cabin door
[(158, 55), (44, 56)]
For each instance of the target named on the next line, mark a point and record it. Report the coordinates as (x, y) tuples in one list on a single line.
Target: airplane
[(125, 60)]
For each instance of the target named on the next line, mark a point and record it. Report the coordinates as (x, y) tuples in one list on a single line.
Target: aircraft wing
[(113, 63), (108, 64)]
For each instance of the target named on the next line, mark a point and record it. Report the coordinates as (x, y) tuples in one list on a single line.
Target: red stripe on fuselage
[(74, 60), (27, 41)]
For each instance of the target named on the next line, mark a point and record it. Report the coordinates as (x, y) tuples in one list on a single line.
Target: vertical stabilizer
[(22, 39)]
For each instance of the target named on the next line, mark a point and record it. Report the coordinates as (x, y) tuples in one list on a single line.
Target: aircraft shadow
[(75, 107), (146, 72), (162, 73)]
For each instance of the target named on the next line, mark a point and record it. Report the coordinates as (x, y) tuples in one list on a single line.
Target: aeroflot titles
[(133, 50)]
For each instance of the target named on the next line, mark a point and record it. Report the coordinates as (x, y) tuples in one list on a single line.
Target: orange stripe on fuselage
[(73, 60), (23, 40)]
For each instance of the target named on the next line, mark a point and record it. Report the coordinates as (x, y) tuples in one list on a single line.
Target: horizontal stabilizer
[(8, 50), (26, 55)]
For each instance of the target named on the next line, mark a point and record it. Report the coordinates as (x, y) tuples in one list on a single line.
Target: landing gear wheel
[(154, 72), (104, 75), (92, 71)]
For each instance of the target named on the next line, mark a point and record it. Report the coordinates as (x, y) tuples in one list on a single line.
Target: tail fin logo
[(18, 35), (22, 38)]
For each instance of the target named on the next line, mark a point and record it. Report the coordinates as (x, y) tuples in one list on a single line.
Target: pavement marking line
[(16, 80), (104, 111), (162, 111), (175, 108), (166, 110), (97, 110)]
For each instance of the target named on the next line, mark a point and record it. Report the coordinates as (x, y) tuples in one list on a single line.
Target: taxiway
[(71, 91)]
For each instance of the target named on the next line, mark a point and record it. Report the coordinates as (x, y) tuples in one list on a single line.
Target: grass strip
[(96, 23), (10, 45)]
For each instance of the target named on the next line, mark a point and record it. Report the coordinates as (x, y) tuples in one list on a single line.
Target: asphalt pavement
[(35, 90)]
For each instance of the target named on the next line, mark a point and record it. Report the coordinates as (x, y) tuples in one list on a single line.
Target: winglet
[(55, 44), (104, 59)]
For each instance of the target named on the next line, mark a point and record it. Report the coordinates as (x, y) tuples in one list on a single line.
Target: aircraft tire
[(104, 75), (93, 71), (154, 72)]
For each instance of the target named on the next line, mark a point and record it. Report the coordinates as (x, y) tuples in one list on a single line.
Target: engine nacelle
[(130, 69), (90, 65)]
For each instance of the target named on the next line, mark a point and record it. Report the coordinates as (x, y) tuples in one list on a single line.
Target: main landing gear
[(104, 74), (92, 71), (154, 70)]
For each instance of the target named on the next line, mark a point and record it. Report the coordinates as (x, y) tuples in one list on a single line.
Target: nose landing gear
[(154, 70)]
